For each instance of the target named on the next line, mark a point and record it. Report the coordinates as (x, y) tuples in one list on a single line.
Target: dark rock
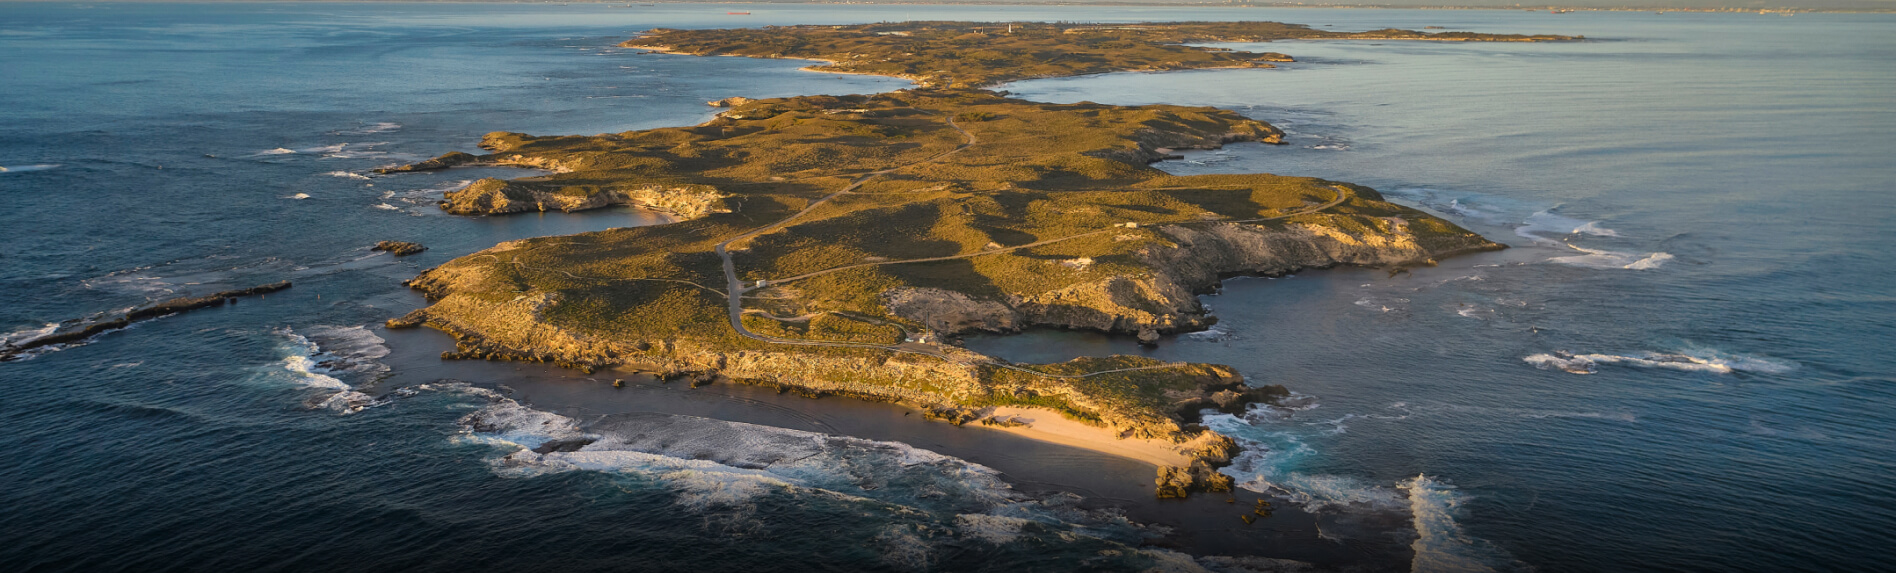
[(172, 306), (413, 319), (566, 445), (450, 159), (399, 248)]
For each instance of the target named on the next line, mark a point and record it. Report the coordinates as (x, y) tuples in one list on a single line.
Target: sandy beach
[(1050, 454)]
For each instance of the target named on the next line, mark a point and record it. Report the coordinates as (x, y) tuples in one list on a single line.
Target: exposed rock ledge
[(495, 196)]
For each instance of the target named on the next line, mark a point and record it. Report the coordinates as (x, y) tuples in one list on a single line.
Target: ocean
[(1681, 364)]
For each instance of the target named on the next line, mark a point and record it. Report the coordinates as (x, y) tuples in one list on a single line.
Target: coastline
[(1138, 425), (1039, 463), (1279, 226)]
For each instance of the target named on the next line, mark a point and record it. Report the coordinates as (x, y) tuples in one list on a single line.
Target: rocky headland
[(838, 245)]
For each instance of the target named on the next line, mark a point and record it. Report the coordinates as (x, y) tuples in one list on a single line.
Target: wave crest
[(1698, 360), (1440, 544)]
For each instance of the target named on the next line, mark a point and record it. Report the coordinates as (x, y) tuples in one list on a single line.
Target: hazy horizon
[(1856, 5)]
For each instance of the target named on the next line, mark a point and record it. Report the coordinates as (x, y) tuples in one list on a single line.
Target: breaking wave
[(1696, 360), (1545, 226), (27, 168), (1349, 507), (379, 127), (1213, 334), (1604, 259), (25, 334), (1440, 543), (724, 469), (327, 355), (348, 175)]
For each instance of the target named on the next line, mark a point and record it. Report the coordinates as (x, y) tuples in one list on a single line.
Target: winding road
[(735, 288)]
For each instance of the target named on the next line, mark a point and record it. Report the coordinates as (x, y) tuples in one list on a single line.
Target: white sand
[(1050, 426)]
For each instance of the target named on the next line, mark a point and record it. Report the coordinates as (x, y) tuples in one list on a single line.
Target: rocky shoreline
[(902, 221)]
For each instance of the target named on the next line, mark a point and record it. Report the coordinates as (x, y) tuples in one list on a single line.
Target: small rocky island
[(838, 245)]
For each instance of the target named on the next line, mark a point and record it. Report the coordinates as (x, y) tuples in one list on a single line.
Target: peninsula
[(978, 54), (837, 245)]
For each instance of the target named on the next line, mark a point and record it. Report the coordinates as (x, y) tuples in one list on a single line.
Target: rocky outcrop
[(948, 311), (497, 141), (730, 101), (77, 330), (399, 248), (495, 197), (449, 159), (1154, 145)]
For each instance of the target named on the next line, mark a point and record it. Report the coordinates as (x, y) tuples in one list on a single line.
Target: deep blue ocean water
[(1700, 206)]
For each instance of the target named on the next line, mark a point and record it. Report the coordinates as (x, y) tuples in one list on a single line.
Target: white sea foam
[(1261, 466), (379, 127), (1530, 413), (1604, 259), (26, 334), (1267, 461), (693, 453), (721, 469), (27, 168), (308, 374), (1547, 227), (426, 195), (1441, 546), (298, 196), (347, 175), (315, 361), (323, 148), (1213, 334), (1382, 304), (387, 207), (1693, 360), (277, 151), (995, 529)]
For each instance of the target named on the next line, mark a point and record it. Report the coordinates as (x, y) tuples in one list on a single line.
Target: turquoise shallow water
[(1738, 416)]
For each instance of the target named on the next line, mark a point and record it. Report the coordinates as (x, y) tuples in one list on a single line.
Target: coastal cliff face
[(956, 384), (497, 197)]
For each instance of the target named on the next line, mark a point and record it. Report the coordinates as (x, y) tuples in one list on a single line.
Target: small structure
[(761, 283)]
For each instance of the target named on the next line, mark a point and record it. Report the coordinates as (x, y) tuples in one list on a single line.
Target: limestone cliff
[(497, 197)]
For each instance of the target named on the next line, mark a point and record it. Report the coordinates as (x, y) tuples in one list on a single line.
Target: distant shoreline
[(1782, 10)]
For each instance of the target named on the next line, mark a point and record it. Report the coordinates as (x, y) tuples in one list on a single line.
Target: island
[(840, 245)]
